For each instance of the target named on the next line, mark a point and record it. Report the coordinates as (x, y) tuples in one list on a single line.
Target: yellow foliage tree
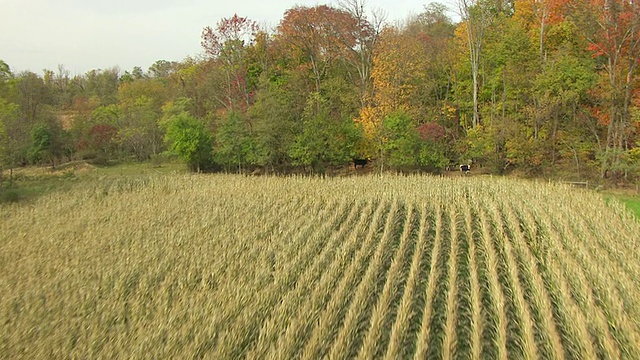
[(398, 72)]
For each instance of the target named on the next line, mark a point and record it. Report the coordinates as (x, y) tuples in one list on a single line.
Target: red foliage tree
[(102, 136), (227, 44), (612, 28), (431, 132)]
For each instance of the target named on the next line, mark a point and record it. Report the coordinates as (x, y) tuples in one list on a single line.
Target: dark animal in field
[(465, 169), (360, 162)]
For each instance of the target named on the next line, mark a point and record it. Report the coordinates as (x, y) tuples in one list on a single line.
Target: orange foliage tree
[(317, 37)]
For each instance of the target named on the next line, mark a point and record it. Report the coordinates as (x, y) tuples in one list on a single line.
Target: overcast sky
[(99, 34)]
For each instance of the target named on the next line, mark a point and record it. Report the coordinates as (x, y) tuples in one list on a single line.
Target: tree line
[(532, 86)]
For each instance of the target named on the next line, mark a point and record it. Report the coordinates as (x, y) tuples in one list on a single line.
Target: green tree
[(324, 140), (5, 76), (401, 143), (190, 140), (560, 89), (12, 136), (479, 147), (101, 84), (109, 114), (275, 126), (163, 68), (41, 149), (139, 132), (234, 146)]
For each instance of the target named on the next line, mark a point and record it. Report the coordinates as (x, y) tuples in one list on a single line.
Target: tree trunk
[(476, 115), (553, 138)]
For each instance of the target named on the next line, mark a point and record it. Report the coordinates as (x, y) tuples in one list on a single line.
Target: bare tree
[(366, 36), (477, 19)]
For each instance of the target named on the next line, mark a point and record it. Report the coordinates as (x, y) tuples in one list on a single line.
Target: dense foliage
[(535, 86)]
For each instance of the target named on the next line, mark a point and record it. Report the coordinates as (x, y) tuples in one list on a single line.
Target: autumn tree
[(32, 96), (399, 73), (434, 151), (227, 44), (435, 31), (102, 141), (537, 17), (316, 38), (398, 77), (612, 28)]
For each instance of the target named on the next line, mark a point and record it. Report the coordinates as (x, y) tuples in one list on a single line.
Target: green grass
[(632, 203), (32, 182), (144, 168)]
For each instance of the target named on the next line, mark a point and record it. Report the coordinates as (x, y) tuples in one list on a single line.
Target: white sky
[(99, 34)]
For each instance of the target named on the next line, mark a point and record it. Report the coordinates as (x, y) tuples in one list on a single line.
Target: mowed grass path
[(632, 202), (226, 267)]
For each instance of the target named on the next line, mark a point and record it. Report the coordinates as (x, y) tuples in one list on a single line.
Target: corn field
[(372, 267)]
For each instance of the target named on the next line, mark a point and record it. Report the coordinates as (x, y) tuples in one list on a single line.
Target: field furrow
[(619, 269), (497, 301), (572, 319), (523, 313), (374, 342), (402, 329), (342, 272), (449, 342), (424, 336), (329, 319), (599, 327), (312, 268), (347, 336), (579, 262), (239, 329), (473, 284), (547, 335), (605, 345)]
